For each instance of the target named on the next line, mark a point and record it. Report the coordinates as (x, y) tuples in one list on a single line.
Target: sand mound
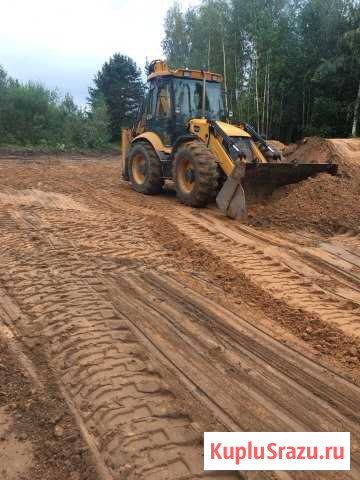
[(346, 151), (324, 202), (309, 150)]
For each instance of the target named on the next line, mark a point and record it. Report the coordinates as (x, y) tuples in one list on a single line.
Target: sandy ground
[(132, 324)]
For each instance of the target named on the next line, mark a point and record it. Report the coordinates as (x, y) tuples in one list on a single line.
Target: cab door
[(160, 119), (144, 114)]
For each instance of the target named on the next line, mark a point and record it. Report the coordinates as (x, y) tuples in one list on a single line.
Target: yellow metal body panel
[(200, 127), (161, 69), (233, 130), (155, 141), (222, 157)]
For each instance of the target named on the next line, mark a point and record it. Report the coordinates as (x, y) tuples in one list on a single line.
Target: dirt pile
[(309, 150), (325, 202), (277, 144)]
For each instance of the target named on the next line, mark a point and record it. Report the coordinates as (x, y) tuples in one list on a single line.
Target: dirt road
[(159, 322)]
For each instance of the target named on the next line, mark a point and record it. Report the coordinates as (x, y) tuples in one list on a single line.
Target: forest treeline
[(33, 115), (291, 67)]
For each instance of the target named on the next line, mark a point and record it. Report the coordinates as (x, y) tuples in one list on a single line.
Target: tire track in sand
[(268, 272), (236, 369), (119, 393), (272, 272)]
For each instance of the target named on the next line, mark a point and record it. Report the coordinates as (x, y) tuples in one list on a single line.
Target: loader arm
[(222, 143), (217, 148), (231, 198)]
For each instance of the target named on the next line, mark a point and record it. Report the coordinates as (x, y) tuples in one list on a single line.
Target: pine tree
[(120, 83)]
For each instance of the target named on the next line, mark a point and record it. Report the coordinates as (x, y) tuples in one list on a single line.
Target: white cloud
[(64, 42)]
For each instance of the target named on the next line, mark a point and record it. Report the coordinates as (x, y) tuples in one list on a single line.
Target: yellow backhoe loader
[(182, 133)]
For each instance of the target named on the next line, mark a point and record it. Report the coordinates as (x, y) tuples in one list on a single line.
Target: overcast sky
[(63, 43)]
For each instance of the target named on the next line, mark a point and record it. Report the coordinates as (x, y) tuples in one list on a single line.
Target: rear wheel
[(195, 174), (144, 169)]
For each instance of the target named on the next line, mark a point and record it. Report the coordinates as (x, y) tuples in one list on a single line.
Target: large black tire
[(195, 174), (144, 169)]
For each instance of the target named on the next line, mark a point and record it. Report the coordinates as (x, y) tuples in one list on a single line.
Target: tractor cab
[(174, 97)]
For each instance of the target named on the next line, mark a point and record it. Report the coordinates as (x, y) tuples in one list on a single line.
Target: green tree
[(3, 78), (3, 88), (97, 124), (119, 82), (28, 112), (351, 45), (176, 41)]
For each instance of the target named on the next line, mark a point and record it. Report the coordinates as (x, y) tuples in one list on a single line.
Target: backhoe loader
[(183, 134)]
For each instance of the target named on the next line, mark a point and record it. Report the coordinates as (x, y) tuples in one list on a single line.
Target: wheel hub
[(139, 168), (186, 176), (190, 175), (142, 169)]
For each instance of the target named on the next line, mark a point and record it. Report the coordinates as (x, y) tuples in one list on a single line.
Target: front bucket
[(274, 175), (255, 178)]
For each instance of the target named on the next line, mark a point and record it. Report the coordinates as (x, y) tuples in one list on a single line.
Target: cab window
[(163, 104), (188, 99)]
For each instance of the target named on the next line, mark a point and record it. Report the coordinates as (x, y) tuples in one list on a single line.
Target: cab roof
[(158, 68)]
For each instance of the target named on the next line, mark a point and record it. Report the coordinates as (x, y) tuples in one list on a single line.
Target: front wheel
[(195, 174), (144, 169)]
